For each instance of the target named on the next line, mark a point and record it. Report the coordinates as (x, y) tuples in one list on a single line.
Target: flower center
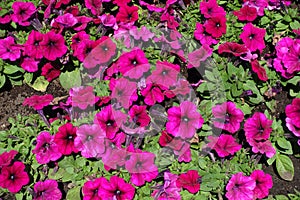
[(70, 137), (12, 177), (185, 119), (227, 118), (105, 48), (36, 43), (109, 122), (164, 73), (251, 36), (138, 164), (89, 138), (134, 62), (117, 192), (51, 43), (218, 25)]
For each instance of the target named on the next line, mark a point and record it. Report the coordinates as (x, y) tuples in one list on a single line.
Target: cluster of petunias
[(12, 174), (251, 187), (293, 117)]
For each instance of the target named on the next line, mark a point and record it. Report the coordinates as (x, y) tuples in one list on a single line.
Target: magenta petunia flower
[(127, 14), (7, 157), (38, 102), (139, 116), (90, 189), (152, 94), (46, 150), (47, 189), (295, 130), (211, 9), (116, 188), (264, 146), (232, 48), (53, 46), (9, 49), (169, 190), (201, 35), (227, 117), (82, 22), (82, 96), (182, 87), (29, 64), (65, 137), (90, 141), (216, 26), (199, 55), (190, 181), (104, 51), (259, 70), (67, 20), (114, 156), (293, 112), (57, 4), (110, 120), (133, 64), (143, 34), (170, 19), (78, 38), (258, 127), (141, 168), (224, 145), (291, 59), (184, 120), (260, 5), (50, 72), (14, 177), (22, 12), (94, 5), (108, 20), (82, 52), (240, 187), (32, 45), (263, 183), (253, 37), (246, 13)]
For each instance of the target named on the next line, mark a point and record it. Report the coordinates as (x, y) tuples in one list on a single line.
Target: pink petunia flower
[(260, 5), (9, 49), (216, 26), (127, 14), (82, 52), (258, 127), (50, 72), (82, 96), (90, 141), (199, 55), (294, 129), (116, 188), (141, 168), (29, 64), (104, 51), (14, 177), (253, 37), (201, 35), (91, 188), (232, 48), (246, 13), (170, 19), (47, 189), (169, 190), (53, 46), (110, 120), (184, 120), (263, 183), (22, 12), (293, 112), (259, 70), (46, 150), (33, 45), (108, 20), (291, 59), (240, 187), (78, 38), (67, 20), (227, 117), (7, 157), (264, 146), (190, 181), (211, 9), (152, 94), (38, 102), (224, 145), (94, 5), (139, 116), (143, 34), (65, 137), (82, 22)]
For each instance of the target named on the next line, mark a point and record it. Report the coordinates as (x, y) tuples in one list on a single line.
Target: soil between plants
[(11, 105)]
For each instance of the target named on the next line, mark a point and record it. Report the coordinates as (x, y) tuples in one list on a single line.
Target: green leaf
[(40, 84), (28, 77), (74, 193), (281, 197), (11, 69), (209, 75), (295, 25), (285, 167), (70, 79), (2, 80), (283, 143), (19, 196)]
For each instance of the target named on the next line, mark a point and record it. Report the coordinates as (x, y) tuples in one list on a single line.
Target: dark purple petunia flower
[(47, 189), (65, 137)]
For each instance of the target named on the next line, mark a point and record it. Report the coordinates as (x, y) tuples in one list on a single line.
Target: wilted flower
[(259, 70), (38, 102), (232, 48)]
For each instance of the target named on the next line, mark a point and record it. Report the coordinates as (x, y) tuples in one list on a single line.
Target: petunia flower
[(82, 52), (169, 190), (253, 37), (170, 19), (56, 3), (91, 188), (224, 145), (139, 116), (47, 189), (143, 34), (258, 127), (82, 22), (184, 120), (199, 55), (190, 181), (152, 94), (263, 183), (22, 11), (108, 20), (46, 150), (110, 120), (94, 5), (263, 147), (232, 48), (14, 177), (82, 96), (38, 102), (216, 26), (53, 46), (141, 168), (294, 129), (116, 188), (201, 35), (127, 14), (293, 112), (246, 13), (33, 47), (9, 49), (65, 137), (104, 51), (67, 20), (29, 64), (211, 9), (291, 59), (227, 117), (259, 70), (50, 72), (90, 141), (78, 38), (240, 187), (260, 5), (7, 157)]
